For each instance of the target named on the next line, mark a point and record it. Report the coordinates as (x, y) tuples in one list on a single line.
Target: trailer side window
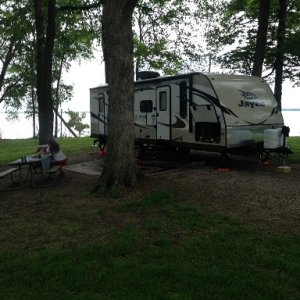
[(163, 101), (101, 103), (183, 99), (146, 106)]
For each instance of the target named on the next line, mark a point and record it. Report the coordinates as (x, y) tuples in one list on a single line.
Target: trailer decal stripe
[(179, 123), (260, 123), (228, 111), (141, 126), (214, 101), (207, 97), (275, 111)]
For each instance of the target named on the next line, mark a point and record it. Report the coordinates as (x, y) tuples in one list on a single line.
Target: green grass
[(13, 149), (294, 143), (166, 250), (156, 246)]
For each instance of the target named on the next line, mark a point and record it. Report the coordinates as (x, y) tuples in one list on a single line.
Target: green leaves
[(76, 121), (76, 34), (237, 31), (163, 36)]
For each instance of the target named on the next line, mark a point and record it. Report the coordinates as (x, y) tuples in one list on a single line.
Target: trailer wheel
[(224, 160), (139, 150), (263, 155)]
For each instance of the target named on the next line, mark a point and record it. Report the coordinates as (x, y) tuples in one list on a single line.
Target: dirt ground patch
[(68, 213), (253, 194)]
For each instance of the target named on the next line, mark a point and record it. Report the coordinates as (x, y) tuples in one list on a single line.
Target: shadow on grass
[(169, 251)]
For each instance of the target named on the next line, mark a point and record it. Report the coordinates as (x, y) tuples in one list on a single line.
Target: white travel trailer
[(212, 112)]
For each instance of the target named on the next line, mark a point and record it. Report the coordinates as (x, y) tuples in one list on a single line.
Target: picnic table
[(29, 163)]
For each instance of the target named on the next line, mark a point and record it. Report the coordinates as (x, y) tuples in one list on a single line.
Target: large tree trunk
[(45, 33), (279, 61), (120, 168), (261, 38)]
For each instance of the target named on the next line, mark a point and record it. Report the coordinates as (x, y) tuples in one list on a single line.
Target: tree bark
[(45, 34), (261, 38), (279, 61), (120, 168)]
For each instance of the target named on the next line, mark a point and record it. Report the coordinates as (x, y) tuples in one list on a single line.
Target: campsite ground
[(254, 194), (181, 226)]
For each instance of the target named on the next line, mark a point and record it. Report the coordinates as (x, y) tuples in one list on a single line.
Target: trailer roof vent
[(147, 75)]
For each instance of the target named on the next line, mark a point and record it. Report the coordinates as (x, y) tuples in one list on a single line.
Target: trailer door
[(101, 113), (163, 107)]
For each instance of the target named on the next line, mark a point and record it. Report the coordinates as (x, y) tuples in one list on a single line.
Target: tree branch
[(272, 71), (79, 7), (8, 58), (10, 87)]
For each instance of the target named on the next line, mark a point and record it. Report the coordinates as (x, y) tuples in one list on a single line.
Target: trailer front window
[(146, 106)]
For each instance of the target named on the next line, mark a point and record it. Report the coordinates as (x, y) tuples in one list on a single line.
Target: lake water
[(292, 119), (23, 127)]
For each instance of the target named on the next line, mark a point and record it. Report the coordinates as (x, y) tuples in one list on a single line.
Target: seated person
[(51, 155), (41, 150), (53, 149)]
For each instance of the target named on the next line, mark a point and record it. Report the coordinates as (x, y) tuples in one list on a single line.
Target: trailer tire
[(263, 155), (139, 151)]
